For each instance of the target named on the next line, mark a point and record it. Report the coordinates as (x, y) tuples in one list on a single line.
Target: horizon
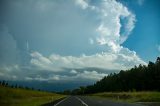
[(67, 44)]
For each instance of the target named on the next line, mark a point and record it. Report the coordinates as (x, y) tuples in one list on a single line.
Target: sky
[(66, 41)]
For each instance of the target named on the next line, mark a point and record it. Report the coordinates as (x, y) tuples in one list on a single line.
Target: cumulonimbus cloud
[(108, 15)]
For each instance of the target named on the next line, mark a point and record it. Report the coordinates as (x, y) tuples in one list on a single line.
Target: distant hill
[(60, 86)]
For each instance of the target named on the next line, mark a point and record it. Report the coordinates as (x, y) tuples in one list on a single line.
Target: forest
[(139, 78)]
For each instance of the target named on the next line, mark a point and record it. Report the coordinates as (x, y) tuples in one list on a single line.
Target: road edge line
[(82, 101), (60, 101)]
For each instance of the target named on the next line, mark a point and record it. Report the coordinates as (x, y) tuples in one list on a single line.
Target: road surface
[(89, 101)]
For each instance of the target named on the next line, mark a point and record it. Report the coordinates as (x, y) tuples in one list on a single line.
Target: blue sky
[(76, 40), (145, 37)]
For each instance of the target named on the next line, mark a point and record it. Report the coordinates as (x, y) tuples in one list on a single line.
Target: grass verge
[(22, 97), (130, 96)]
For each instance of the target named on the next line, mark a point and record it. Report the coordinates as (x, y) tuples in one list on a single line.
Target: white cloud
[(54, 65), (101, 41), (82, 3), (9, 72), (36, 78), (81, 76), (42, 62), (104, 30), (110, 12), (91, 75), (105, 60), (73, 72)]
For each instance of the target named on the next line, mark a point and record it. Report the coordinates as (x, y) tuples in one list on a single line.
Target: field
[(130, 96), (22, 97)]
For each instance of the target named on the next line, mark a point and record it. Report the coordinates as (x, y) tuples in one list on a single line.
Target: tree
[(3, 83), (138, 78)]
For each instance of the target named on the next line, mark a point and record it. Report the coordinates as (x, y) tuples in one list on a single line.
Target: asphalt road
[(88, 101)]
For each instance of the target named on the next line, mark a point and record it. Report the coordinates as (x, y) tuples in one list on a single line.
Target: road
[(89, 101)]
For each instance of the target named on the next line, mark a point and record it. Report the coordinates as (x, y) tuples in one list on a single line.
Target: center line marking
[(60, 101), (82, 101)]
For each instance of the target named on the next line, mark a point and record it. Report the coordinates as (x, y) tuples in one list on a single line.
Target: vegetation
[(25, 97), (141, 78), (130, 96)]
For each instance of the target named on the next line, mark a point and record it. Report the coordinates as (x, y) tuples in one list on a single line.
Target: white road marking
[(60, 101), (82, 101)]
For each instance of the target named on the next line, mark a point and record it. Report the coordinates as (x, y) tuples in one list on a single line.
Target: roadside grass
[(22, 97), (145, 96)]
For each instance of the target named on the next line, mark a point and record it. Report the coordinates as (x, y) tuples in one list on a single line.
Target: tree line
[(6, 84), (139, 78)]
